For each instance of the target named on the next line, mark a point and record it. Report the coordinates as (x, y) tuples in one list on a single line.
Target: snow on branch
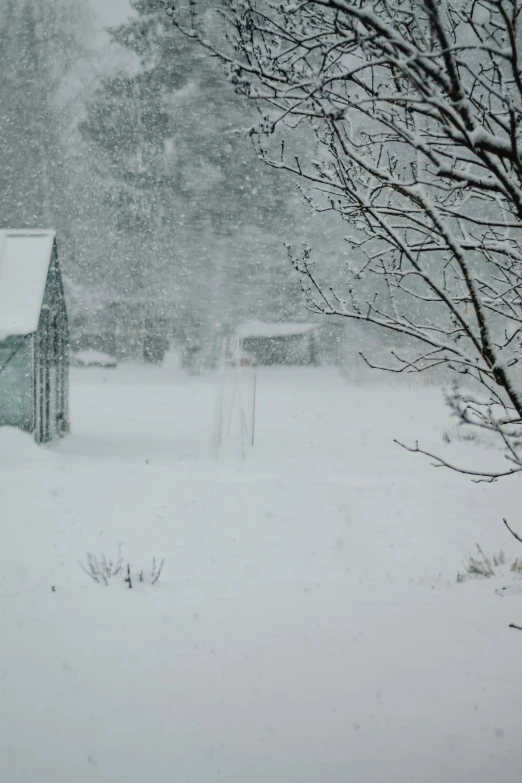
[(415, 110)]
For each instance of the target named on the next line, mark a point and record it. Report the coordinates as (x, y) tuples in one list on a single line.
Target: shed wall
[(17, 383)]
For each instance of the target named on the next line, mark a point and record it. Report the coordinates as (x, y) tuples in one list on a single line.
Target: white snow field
[(307, 626)]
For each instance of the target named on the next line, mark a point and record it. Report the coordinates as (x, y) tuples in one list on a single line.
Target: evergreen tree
[(205, 217), (41, 43)]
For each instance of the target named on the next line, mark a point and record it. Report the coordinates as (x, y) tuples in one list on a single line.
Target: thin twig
[(441, 463), (156, 574), (515, 535)]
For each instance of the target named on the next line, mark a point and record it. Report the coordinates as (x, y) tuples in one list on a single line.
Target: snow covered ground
[(307, 628)]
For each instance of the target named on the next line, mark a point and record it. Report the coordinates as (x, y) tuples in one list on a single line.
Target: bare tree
[(417, 107)]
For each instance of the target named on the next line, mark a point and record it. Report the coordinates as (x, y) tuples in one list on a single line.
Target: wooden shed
[(34, 338), (278, 343)]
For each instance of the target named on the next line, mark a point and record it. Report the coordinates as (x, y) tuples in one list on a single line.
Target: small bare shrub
[(102, 571), (482, 566)]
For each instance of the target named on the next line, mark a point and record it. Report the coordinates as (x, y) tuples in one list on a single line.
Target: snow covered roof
[(260, 329), (25, 256)]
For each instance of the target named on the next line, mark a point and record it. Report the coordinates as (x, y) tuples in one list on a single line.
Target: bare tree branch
[(441, 463), (515, 535), (404, 119)]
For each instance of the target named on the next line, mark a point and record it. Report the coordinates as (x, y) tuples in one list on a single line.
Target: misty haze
[(260, 391)]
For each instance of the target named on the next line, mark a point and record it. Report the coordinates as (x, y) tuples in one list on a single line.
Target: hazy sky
[(110, 11)]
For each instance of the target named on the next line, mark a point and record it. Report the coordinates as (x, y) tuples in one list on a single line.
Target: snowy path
[(307, 628)]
